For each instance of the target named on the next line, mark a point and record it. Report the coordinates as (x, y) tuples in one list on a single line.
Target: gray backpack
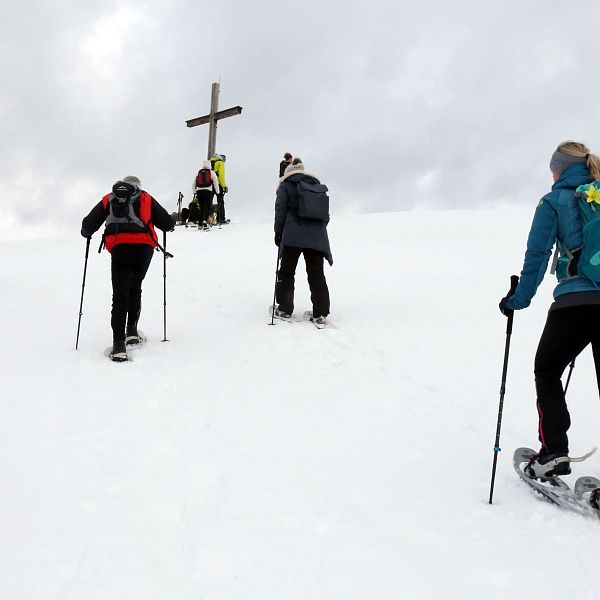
[(121, 213)]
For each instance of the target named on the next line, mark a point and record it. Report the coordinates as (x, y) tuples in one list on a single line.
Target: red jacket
[(147, 237)]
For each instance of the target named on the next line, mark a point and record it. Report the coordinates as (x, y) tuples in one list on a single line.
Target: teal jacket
[(551, 225)]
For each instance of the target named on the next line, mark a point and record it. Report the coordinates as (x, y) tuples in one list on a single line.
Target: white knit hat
[(133, 180)]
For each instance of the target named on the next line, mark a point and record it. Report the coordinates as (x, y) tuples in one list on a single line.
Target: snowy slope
[(244, 461)]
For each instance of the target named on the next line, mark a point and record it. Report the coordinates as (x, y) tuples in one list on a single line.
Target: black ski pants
[(129, 264), (284, 288), (566, 333), (205, 198), (221, 207)]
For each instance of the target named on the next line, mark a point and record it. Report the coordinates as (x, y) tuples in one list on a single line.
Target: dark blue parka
[(296, 233), (551, 225)]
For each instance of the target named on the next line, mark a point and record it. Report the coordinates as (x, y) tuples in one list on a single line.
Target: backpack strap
[(564, 226), (564, 223), (555, 259)]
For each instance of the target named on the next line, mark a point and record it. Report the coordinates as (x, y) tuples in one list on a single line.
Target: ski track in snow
[(240, 460)]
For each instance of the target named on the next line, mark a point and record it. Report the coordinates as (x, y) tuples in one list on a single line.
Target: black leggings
[(129, 264), (567, 332), (221, 207)]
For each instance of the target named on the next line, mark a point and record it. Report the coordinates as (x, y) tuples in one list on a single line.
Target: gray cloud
[(443, 105)]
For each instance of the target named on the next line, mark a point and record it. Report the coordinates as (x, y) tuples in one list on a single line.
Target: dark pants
[(129, 263), (284, 288), (567, 332), (221, 207), (205, 198), (195, 212)]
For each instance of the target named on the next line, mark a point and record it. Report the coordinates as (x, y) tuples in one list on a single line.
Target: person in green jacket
[(218, 166)]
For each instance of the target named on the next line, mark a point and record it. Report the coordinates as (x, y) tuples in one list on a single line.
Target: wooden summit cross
[(212, 118)]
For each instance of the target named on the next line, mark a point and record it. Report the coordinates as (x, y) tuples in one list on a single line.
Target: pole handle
[(514, 282)]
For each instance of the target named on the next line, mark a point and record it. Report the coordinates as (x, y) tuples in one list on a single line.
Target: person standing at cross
[(285, 163), (206, 185), (218, 166)]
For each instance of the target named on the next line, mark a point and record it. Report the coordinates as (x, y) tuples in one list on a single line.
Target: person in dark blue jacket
[(574, 317), (296, 237)]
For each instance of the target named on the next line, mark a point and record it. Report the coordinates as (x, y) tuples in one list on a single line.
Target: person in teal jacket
[(574, 317)]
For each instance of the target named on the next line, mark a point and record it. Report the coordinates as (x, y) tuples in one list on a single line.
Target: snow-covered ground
[(242, 461)]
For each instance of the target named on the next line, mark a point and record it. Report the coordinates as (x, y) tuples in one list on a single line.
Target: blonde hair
[(579, 150)]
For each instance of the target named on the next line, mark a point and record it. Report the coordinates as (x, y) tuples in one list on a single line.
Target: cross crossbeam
[(213, 117)]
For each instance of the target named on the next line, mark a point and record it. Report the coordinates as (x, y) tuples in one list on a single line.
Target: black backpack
[(313, 201), (122, 217)]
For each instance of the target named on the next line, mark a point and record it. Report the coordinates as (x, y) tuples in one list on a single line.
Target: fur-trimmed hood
[(297, 169)]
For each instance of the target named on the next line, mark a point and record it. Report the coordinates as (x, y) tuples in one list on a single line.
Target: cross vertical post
[(212, 127)]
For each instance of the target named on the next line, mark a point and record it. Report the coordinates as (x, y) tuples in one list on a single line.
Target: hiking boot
[(595, 499), (319, 320), (132, 336), (281, 314), (119, 351), (546, 466)]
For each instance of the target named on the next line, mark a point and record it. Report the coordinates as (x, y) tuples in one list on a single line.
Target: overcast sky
[(395, 104)]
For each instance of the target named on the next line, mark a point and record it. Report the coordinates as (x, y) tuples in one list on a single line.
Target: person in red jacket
[(129, 214)]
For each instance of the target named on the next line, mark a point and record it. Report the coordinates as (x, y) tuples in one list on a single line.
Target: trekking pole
[(87, 252), (274, 290), (165, 287), (514, 280), (571, 367)]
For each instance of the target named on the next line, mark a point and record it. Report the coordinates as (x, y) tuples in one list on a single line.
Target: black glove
[(225, 189), (507, 312), (503, 308), (85, 235), (278, 239)]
